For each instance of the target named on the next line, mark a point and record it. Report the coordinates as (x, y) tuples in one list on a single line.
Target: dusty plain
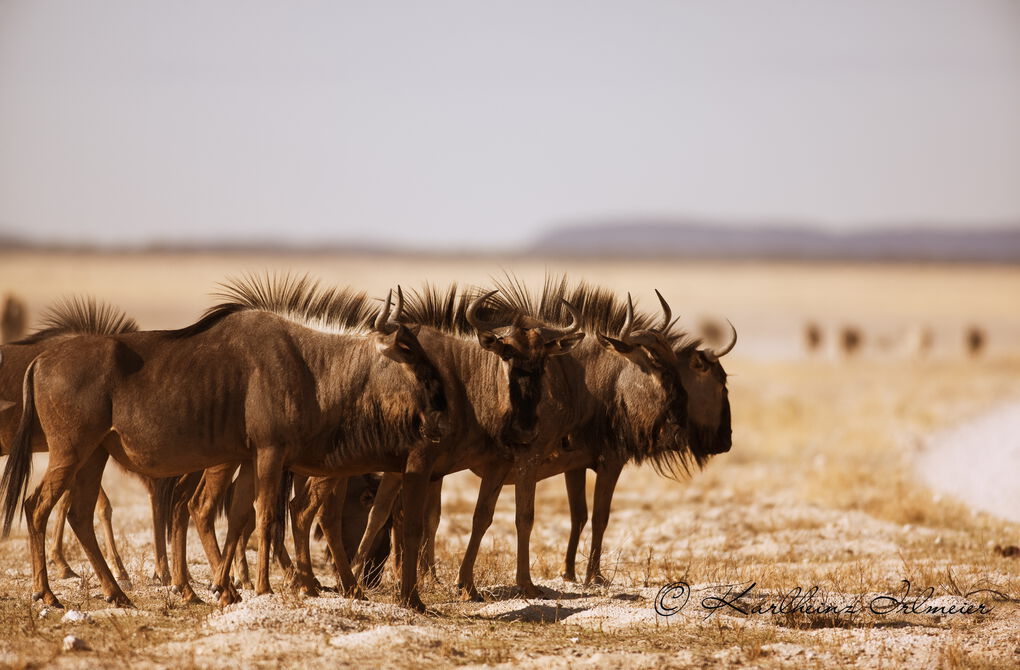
[(820, 490)]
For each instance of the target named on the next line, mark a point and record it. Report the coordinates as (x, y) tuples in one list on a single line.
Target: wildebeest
[(850, 340), (632, 405), (974, 340), (813, 336), (310, 386), (492, 400), (62, 321), (13, 319)]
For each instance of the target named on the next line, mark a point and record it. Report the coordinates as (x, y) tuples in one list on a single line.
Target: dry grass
[(818, 490)]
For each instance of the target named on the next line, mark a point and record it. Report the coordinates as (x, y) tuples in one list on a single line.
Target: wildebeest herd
[(324, 405)]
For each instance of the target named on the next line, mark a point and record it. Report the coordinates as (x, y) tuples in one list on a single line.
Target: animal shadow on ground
[(535, 613), (495, 593)]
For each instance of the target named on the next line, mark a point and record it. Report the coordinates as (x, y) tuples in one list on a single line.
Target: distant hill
[(702, 240)]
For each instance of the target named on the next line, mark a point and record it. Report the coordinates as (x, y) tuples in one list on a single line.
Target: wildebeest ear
[(385, 343), (562, 345), (6, 404), (492, 342), (612, 343)]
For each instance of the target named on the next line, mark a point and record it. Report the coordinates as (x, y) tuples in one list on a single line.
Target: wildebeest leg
[(106, 519), (268, 474), (59, 476), (524, 499), (488, 493), (179, 515), (159, 520), (332, 527), (237, 517), (605, 485), (433, 513), (414, 487), (575, 480), (241, 555), (211, 489), (309, 495), (382, 508), (60, 564), (86, 489)]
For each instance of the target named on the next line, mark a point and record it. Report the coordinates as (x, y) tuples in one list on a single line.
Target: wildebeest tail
[(279, 529), (165, 493), (14, 482), (223, 509)]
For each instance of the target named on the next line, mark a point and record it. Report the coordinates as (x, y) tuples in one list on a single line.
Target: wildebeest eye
[(367, 499)]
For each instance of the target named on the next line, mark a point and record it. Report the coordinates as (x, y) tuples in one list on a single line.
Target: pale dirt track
[(820, 489)]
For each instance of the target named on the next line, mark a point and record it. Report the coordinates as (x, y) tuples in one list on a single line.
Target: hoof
[(469, 594), (120, 600), (228, 598), (189, 597), (597, 579), (47, 598), (416, 604), (532, 592), (308, 591), (176, 590), (569, 577), (65, 572)]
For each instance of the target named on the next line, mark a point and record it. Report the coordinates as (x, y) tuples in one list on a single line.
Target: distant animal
[(13, 319), (850, 340), (974, 340), (812, 336), (917, 340)]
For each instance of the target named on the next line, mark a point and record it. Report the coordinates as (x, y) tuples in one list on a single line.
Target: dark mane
[(81, 316), (443, 310), (300, 299), (602, 311)]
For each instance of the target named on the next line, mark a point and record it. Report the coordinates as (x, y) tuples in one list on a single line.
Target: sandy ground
[(845, 474), (978, 461)]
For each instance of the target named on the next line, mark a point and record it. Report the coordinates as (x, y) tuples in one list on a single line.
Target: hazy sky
[(482, 123)]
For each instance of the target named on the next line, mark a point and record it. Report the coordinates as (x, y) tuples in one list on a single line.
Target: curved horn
[(400, 306), (667, 313), (550, 334), (384, 313), (628, 323), (471, 314), (729, 347), (575, 318)]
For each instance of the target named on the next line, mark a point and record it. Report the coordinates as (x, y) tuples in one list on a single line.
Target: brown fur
[(248, 384), (13, 319), (64, 320), (628, 412)]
